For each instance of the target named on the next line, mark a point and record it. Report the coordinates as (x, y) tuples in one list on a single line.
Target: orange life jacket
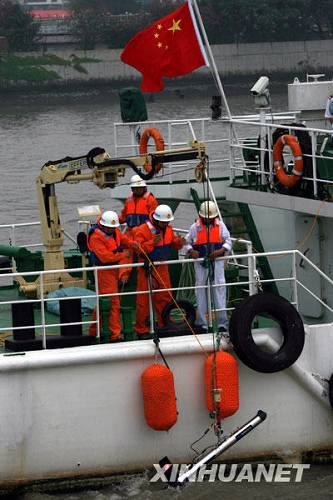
[(206, 242), (137, 211), (113, 244), (163, 249)]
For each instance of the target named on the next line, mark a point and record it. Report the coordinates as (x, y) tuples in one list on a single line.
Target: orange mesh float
[(159, 397), (221, 379)]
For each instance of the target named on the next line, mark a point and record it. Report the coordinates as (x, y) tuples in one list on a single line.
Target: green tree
[(94, 21), (243, 21), (226, 21), (160, 8), (17, 26), (318, 18), (118, 30)]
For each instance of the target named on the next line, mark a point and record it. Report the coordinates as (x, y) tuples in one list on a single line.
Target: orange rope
[(306, 237), (159, 277)]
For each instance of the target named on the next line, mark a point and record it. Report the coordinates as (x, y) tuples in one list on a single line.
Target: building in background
[(52, 21), (44, 4)]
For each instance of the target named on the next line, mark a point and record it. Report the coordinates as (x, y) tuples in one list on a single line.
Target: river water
[(35, 128), (316, 484)]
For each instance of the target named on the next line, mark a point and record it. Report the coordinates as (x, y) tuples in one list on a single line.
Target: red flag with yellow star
[(169, 47)]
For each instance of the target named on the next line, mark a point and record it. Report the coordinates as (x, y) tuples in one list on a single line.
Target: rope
[(199, 439), (306, 237), (156, 339), (216, 339), (159, 277)]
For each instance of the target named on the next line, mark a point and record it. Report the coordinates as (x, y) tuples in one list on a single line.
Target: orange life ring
[(143, 146), (280, 172)]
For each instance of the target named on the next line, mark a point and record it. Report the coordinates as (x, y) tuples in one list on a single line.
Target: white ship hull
[(79, 411)]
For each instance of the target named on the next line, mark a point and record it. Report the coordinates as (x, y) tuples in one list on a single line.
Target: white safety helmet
[(208, 210), (137, 182), (109, 219), (163, 213)]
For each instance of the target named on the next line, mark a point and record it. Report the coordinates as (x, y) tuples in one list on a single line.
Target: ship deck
[(10, 294)]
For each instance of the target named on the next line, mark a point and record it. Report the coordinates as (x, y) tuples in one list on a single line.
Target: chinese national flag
[(169, 47)]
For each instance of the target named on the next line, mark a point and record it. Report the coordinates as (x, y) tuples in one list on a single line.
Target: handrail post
[(42, 310), (254, 275), (294, 268), (314, 162), (231, 156), (98, 329), (170, 146), (209, 308), (251, 267), (262, 144), (270, 158), (133, 141), (150, 296)]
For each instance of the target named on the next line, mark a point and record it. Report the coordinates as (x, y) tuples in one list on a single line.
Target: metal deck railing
[(248, 281), (261, 144), (227, 155)]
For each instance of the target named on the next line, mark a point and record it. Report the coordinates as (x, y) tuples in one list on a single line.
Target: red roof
[(50, 14)]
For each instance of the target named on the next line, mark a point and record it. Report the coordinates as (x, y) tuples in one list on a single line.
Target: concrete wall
[(231, 60)]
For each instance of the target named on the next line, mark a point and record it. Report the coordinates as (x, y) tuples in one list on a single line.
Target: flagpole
[(211, 57), (215, 72)]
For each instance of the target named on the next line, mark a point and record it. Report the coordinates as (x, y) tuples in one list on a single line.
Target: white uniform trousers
[(219, 294)]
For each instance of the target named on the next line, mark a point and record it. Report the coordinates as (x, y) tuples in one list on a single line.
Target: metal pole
[(98, 331), (295, 279), (270, 157), (314, 162), (209, 305), (170, 145), (262, 115), (215, 72), (42, 310), (151, 310), (214, 198), (255, 276), (227, 443), (251, 266)]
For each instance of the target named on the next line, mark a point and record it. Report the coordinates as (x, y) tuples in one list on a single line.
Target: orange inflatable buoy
[(280, 172), (143, 146), (159, 397), (222, 390)]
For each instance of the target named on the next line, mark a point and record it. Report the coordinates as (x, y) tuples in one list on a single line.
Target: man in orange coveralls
[(154, 238), (138, 205), (105, 244)]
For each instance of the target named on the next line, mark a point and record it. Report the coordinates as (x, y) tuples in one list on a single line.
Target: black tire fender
[(291, 325), (188, 309)]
